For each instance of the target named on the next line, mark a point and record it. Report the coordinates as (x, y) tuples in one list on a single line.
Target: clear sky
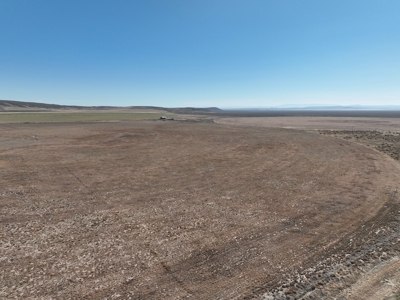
[(200, 53)]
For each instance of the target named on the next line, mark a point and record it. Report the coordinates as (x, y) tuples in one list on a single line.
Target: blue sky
[(227, 53)]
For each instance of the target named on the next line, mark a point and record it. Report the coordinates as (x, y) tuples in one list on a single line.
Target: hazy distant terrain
[(19, 106), (321, 111)]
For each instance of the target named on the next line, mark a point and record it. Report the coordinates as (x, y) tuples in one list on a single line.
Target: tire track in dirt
[(379, 283), (338, 268)]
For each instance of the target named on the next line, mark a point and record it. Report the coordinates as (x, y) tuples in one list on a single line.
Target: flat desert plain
[(318, 122), (185, 209)]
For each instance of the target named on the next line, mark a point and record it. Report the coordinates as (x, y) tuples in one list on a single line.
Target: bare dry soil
[(174, 210)]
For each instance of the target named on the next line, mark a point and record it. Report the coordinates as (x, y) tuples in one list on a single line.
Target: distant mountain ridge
[(20, 106), (353, 107)]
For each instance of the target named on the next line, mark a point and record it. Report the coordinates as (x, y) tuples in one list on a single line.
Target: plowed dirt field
[(174, 210)]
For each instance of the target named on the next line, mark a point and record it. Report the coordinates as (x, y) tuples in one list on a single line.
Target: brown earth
[(173, 210), (318, 123), (370, 273)]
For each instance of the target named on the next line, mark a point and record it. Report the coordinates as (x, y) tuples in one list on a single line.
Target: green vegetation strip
[(74, 117)]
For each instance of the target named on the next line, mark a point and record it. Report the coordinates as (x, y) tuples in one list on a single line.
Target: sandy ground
[(173, 210)]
